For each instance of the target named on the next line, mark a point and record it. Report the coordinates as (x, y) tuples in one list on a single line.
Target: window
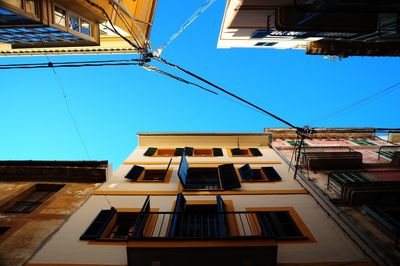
[(30, 6), (60, 16), (198, 220), (73, 21), (264, 174), (34, 198), (280, 224), (121, 227), (237, 152), (212, 178), (139, 173), (265, 44), (188, 151), (118, 226)]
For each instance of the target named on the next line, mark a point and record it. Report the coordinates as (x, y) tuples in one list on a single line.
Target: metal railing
[(204, 225), (388, 147)]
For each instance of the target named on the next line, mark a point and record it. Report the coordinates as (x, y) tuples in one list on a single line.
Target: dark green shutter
[(180, 204), (135, 173), (178, 152), (143, 216), (183, 171), (150, 151), (246, 172), (99, 224), (221, 217), (217, 152), (228, 176), (271, 174), (255, 152), (188, 151)]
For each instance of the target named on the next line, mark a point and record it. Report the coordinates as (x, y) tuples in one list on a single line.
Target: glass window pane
[(85, 27), (59, 16), (30, 6), (73, 21)]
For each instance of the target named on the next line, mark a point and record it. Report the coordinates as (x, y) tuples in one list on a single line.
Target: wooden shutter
[(217, 152), (96, 228), (166, 170), (178, 152), (255, 152), (141, 221), (150, 151), (221, 217), (135, 173), (228, 176), (188, 151), (246, 173), (180, 204), (271, 174), (183, 171)]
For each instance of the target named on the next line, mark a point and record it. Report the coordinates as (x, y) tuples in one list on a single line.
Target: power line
[(356, 104), (152, 68), (195, 15), (65, 65), (70, 112), (226, 92)]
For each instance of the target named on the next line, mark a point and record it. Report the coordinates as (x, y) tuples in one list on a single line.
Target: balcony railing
[(199, 226)]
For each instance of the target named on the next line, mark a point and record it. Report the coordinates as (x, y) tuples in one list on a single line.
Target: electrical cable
[(132, 33), (226, 92), (356, 104), (157, 70), (70, 112), (146, 41), (140, 49), (70, 64), (195, 15)]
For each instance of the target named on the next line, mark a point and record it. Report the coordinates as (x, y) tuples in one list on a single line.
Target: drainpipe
[(359, 238)]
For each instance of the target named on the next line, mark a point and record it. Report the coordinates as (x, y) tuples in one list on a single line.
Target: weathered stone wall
[(29, 231)]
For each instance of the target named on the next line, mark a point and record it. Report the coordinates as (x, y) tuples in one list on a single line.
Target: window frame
[(167, 172), (248, 152), (67, 27), (227, 176), (189, 151), (301, 226), (109, 223), (22, 11), (17, 203), (228, 207)]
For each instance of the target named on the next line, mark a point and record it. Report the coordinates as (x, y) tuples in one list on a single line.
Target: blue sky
[(111, 104)]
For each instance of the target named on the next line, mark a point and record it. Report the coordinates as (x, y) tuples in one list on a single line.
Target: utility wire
[(195, 15), (140, 49), (70, 112), (356, 104), (65, 65), (145, 40), (157, 70), (226, 92), (125, 22)]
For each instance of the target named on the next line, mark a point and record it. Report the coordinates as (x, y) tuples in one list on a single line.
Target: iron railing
[(199, 226)]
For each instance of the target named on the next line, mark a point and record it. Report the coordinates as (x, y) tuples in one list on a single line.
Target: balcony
[(364, 187), (331, 158), (197, 233)]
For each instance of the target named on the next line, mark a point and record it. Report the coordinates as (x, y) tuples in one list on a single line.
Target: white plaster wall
[(331, 246)]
